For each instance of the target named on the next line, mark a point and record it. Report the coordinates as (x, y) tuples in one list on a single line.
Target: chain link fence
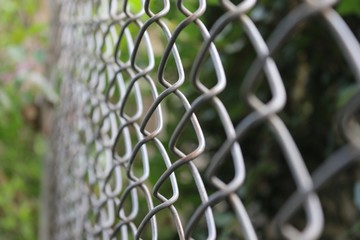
[(147, 144)]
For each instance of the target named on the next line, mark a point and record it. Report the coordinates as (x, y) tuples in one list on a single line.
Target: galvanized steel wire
[(107, 68)]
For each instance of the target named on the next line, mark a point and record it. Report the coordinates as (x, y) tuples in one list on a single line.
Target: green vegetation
[(22, 146)]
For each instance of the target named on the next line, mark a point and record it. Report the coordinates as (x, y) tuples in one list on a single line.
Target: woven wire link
[(111, 133)]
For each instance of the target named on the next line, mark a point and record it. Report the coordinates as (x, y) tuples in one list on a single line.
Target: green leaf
[(345, 94), (212, 2), (347, 7)]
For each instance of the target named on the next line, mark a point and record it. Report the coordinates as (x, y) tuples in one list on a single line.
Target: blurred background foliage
[(23, 87), (316, 82)]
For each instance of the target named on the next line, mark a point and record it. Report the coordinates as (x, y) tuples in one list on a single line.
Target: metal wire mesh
[(124, 161)]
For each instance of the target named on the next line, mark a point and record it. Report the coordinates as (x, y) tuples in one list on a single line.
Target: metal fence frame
[(81, 202)]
